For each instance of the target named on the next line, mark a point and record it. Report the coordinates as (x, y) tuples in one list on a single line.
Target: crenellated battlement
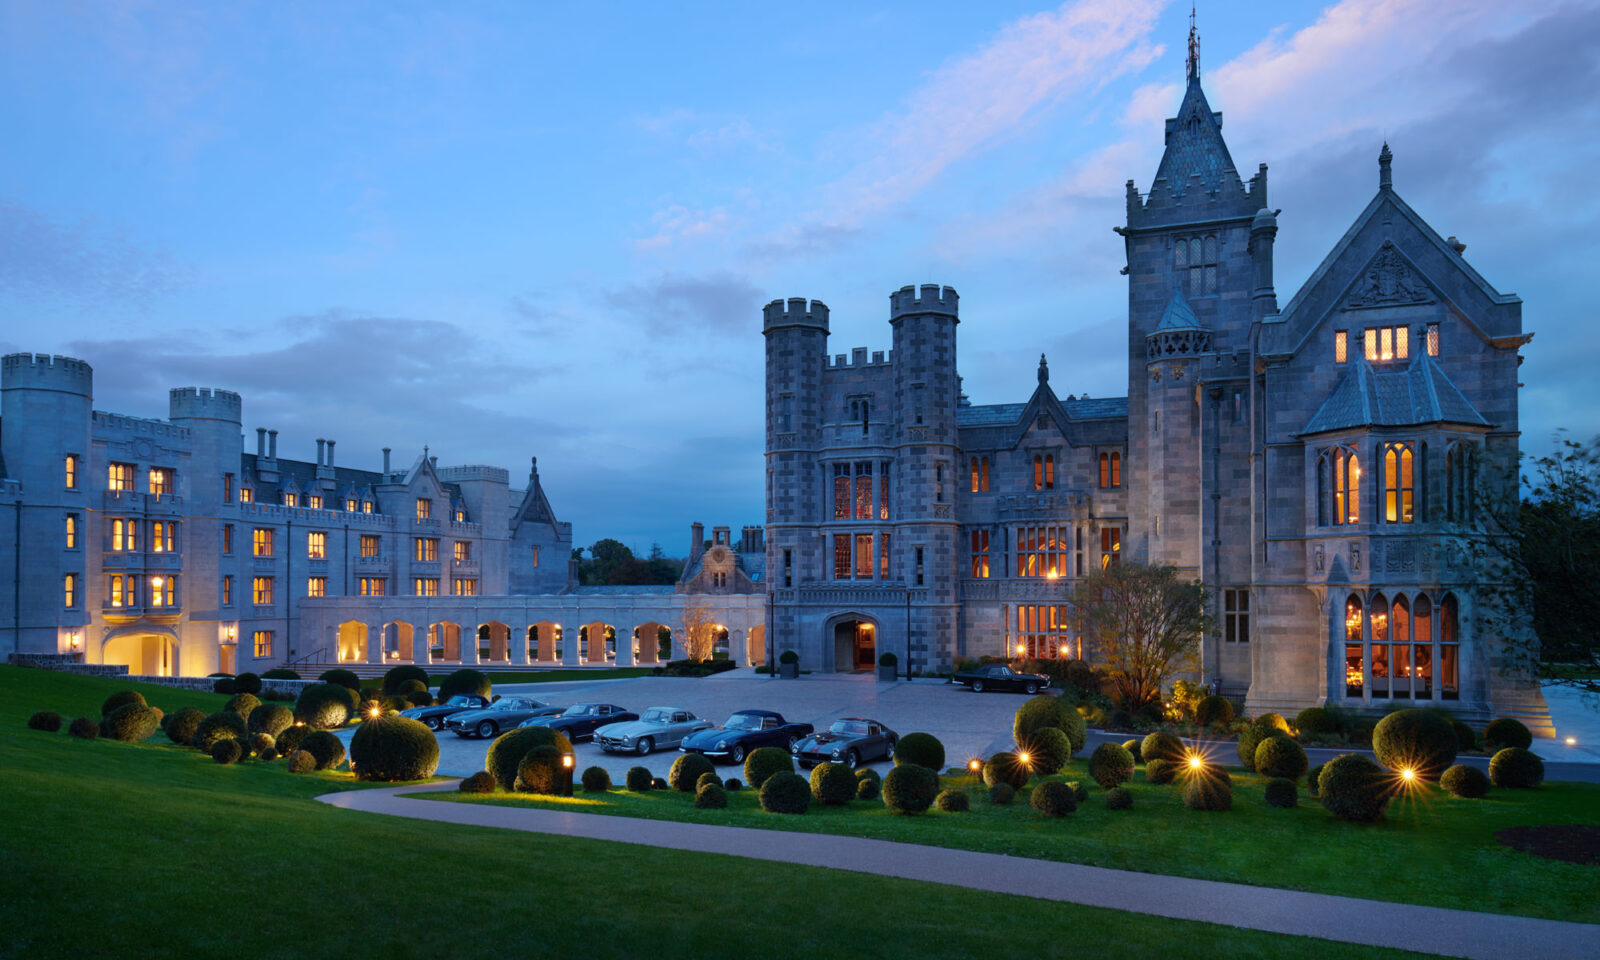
[(1173, 203), (857, 357), (43, 371), (932, 298), (204, 403), (795, 312), (474, 471)]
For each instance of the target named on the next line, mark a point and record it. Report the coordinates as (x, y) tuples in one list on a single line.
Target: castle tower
[(213, 419), (796, 335)]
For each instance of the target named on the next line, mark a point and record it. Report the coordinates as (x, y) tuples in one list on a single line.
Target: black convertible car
[(850, 741), (581, 720), (745, 731), (497, 717), (998, 676), (436, 715)]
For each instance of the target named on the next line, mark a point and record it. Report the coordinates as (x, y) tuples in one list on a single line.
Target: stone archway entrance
[(352, 642), (147, 654), (854, 644)]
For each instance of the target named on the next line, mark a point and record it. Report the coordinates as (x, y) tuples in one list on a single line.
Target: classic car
[(582, 719), (998, 676), (435, 715), (659, 727), (501, 715), (850, 741), (745, 731)]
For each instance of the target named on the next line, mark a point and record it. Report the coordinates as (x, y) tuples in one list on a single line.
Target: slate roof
[(1421, 393), (304, 475), (1196, 145), (1006, 414), (651, 589), (1178, 316)]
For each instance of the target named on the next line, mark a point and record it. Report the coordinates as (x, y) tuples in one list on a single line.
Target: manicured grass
[(1431, 849), (152, 850)]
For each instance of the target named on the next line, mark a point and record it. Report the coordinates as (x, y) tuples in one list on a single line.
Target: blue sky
[(514, 230)]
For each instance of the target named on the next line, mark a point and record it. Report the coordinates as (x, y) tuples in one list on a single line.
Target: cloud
[(706, 133), (719, 303), (677, 222), (48, 261)]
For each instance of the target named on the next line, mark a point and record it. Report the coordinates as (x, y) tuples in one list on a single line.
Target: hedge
[(45, 720), (483, 782), (280, 673), (595, 780), (539, 771), (1006, 767), (953, 801), (1505, 732), (922, 749), (84, 728), (223, 725), (1281, 758), (910, 788), (260, 743), (1354, 788), (710, 796), (638, 780), (302, 761), (343, 678), (394, 748), (1047, 711), (394, 677), (465, 681), (226, 751), (1465, 781), (247, 683), (1209, 788), (242, 704), (119, 699), (130, 723), (1316, 722), (1516, 768), (733, 785), (1419, 740), (785, 792), (327, 749), (833, 784), (1119, 798), (1048, 750), (223, 684), (324, 706), (1110, 765), (1162, 745), (1281, 792), (1054, 799), (686, 771), (1213, 711), (506, 752), (708, 777), (763, 762), (1160, 771), (273, 718)]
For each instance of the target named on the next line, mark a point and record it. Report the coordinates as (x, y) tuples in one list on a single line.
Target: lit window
[(1431, 333), (69, 590), (114, 590), (427, 549), (163, 537), (261, 590), (980, 553), (1110, 547), (71, 469), (366, 506), (841, 491), (316, 586), (864, 494), (1040, 633), (374, 586), (317, 545), (124, 535), (227, 590), (119, 476), (461, 516), (262, 541), (1339, 483), (1041, 551), (246, 495), (1383, 344), (1398, 483), (163, 591), (883, 491), (291, 499), (425, 587), (424, 508), (314, 502), (72, 531), (536, 555), (1236, 615), (1110, 469), (465, 588), (350, 506), (883, 556), (863, 556), (227, 488), (227, 538), (371, 545), (841, 556), (262, 641), (160, 479), (1038, 472), (463, 550), (1341, 346)]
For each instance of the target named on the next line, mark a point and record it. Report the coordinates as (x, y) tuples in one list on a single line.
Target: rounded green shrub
[(1160, 771), (1274, 721), (868, 788), (327, 749), (262, 742), (1054, 799), (247, 683), (788, 656), (596, 780), (1001, 794), (483, 782), (1466, 781), (301, 761), (1282, 758), (1516, 768), (242, 704), (464, 681), (395, 748), (223, 684), (1006, 767), (1312, 777), (1354, 788), (1044, 710), (223, 725), (686, 771), (733, 785), (181, 725), (226, 751), (394, 704), (1208, 789), (280, 673), (1110, 765), (657, 783), (922, 749), (289, 739), (539, 771), (710, 796), (833, 784), (343, 678), (952, 801), (785, 792), (130, 723), (1078, 790), (353, 699), (119, 699), (506, 752), (45, 720), (395, 678), (638, 780), (1249, 740), (408, 687), (273, 718), (370, 694), (323, 706), (1213, 711), (420, 698), (910, 788), (1466, 738), (1316, 722), (1420, 740), (1282, 792), (710, 776), (84, 728), (763, 762), (270, 754), (1048, 750), (1162, 745), (1134, 751), (1505, 732), (1119, 798)]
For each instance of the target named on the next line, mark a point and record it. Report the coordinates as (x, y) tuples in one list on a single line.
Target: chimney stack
[(697, 541), (272, 444), (261, 443), (386, 462), (321, 445)]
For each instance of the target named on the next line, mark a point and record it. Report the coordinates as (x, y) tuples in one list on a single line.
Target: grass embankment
[(1431, 849), (149, 849)]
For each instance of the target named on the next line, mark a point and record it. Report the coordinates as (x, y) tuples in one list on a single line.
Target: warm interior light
[(1571, 741), (1195, 763), (1022, 648)]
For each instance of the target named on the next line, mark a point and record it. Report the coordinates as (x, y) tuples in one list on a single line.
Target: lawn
[(150, 849), (1431, 849)]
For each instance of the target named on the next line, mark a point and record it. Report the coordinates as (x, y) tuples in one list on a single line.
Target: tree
[(699, 631), (1146, 624)]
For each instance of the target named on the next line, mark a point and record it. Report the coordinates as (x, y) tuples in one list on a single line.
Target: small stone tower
[(796, 334)]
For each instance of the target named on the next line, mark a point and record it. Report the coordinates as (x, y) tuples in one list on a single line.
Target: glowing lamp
[(975, 765), (1571, 741), (1063, 650), (375, 711), (1408, 774), (73, 640), (1024, 759), (1195, 761), (1022, 648), (157, 582), (566, 761)]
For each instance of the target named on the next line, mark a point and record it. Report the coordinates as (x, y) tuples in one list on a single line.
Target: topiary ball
[(1162, 745), (1312, 776), (506, 752), (119, 699), (1354, 788), (1466, 739), (130, 723), (1316, 722), (1006, 767), (242, 704), (323, 706), (710, 796), (396, 678), (289, 739), (223, 725), (539, 771), (222, 685), (226, 751), (1209, 788), (247, 683), (785, 792), (371, 694), (1516, 768), (327, 749), (1048, 711), (922, 749), (596, 780), (910, 788), (270, 754), (302, 761), (408, 687), (84, 728), (343, 678), (1467, 782), (1119, 798), (1001, 794), (279, 673), (1506, 732), (638, 780), (952, 801), (420, 698), (1273, 721), (763, 762), (1160, 771), (1054, 799), (732, 785), (262, 742), (1250, 739), (1048, 750), (270, 718), (1418, 740), (868, 788), (1110, 765), (45, 720), (483, 782), (1281, 758), (465, 681), (1134, 751), (1282, 792), (388, 705), (833, 784), (686, 771), (1078, 790), (391, 749), (1213, 711)]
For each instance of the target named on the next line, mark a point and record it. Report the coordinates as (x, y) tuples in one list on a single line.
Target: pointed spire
[(1194, 48), (1385, 178), (1044, 371)]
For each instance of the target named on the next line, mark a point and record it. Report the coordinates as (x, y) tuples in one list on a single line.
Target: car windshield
[(657, 715), (510, 704), (744, 721), (1001, 671), (849, 728), (463, 702), (580, 710)]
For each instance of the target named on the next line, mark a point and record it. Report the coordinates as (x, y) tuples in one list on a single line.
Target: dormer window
[(1384, 344), (424, 508), (291, 499)]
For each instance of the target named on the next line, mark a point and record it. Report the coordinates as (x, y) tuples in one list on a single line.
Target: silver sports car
[(658, 727)]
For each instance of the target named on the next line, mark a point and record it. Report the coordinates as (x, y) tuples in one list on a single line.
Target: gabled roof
[(1421, 393), (535, 506), (1195, 145)]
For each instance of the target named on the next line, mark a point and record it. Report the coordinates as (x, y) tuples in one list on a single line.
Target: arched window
[(1401, 659), (1116, 469), (1038, 472), (1354, 673), (1105, 470), (974, 474), (1049, 471), (1459, 463), (1379, 658), (1449, 648), (1398, 483), (1339, 481)]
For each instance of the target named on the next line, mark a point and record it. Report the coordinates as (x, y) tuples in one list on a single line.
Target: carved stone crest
[(1389, 281)]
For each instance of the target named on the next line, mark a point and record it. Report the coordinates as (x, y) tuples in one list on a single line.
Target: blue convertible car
[(744, 732)]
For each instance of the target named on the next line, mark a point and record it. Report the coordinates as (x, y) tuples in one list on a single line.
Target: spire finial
[(1385, 178), (1044, 371), (1194, 47)]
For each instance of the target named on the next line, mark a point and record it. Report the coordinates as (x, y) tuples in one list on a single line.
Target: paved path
[(1456, 933)]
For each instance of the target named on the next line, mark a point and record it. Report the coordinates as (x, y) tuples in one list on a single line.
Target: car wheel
[(1030, 688), (644, 745), (486, 728), (888, 751), (738, 753), (852, 760), (433, 723), (792, 742), (977, 686)]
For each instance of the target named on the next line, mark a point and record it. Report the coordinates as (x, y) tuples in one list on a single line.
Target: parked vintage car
[(744, 732), (499, 716), (581, 720), (658, 727), (850, 741), (436, 715), (998, 676)]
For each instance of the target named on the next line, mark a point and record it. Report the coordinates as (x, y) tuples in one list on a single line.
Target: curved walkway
[(1457, 933)]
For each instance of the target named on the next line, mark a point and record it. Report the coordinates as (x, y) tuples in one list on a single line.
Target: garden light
[(1572, 741), (375, 711), (1408, 774), (1024, 759), (975, 765), (1195, 761), (566, 760)]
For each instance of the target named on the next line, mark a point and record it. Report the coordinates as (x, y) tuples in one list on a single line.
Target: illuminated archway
[(352, 642), (143, 651)]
